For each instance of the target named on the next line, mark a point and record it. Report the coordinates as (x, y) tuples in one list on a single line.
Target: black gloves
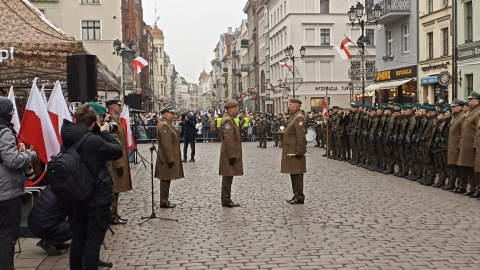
[(298, 155), (120, 171), (232, 160), (170, 164)]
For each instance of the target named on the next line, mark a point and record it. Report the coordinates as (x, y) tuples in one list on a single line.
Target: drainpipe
[(454, 51)]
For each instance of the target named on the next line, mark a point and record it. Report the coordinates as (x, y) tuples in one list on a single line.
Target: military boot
[(450, 185), (440, 183), (389, 170), (429, 181)]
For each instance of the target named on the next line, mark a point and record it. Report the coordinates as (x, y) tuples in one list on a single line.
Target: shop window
[(469, 79), (317, 104)]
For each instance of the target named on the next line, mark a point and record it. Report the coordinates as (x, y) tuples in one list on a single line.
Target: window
[(281, 10), (90, 2), (370, 35), (285, 8), (445, 3), (469, 79), (389, 43), (445, 41), (324, 37), (324, 6), (468, 22), (310, 36), (406, 38), (125, 4), (430, 45), (127, 32), (430, 6), (91, 30)]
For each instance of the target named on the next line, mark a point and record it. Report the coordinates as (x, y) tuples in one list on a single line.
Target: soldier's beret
[(430, 108), (340, 108), (380, 108), (457, 102), (97, 108), (230, 104), (396, 110), (354, 106), (407, 106), (441, 112), (112, 101), (335, 107), (296, 100), (397, 104), (438, 104), (474, 95), (371, 108), (387, 108), (166, 109)]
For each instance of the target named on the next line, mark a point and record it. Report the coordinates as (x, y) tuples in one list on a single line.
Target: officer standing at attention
[(262, 131), (169, 160), (274, 129), (231, 163), (294, 150)]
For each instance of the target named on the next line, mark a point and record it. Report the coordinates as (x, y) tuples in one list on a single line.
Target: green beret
[(397, 105), (438, 104), (407, 106), (387, 108), (335, 107), (340, 108), (97, 108), (396, 110), (380, 108), (441, 112), (430, 108)]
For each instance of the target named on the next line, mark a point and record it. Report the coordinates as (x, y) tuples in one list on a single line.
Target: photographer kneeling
[(91, 218)]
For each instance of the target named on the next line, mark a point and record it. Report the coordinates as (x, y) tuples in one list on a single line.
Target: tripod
[(153, 215)]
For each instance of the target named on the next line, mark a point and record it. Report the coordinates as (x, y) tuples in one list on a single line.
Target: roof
[(156, 32), (203, 75), (40, 48)]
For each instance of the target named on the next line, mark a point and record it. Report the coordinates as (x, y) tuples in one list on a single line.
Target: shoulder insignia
[(300, 123), (165, 131), (227, 126)]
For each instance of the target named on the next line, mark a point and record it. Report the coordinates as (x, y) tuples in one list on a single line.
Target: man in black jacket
[(190, 133), (91, 218)]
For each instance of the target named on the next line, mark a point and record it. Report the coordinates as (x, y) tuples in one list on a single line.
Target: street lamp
[(127, 54), (289, 53), (355, 15)]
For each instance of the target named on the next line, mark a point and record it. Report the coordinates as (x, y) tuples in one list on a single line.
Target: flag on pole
[(272, 86), (36, 127), (426, 100), (325, 107), (15, 119), (58, 110), (44, 97), (125, 122), (285, 65), (138, 64), (342, 49)]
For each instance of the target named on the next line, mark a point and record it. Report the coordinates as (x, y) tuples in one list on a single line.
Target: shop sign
[(469, 51), (6, 54), (439, 66), (395, 74), (429, 80), (334, 88)]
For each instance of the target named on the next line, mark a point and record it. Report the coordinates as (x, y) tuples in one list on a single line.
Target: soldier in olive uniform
[(440, 147), (372, 137), (294, 150), (262, 131), (327, 133), (468, 157), (426, 143), (353, 134), (380, 151), (456, 182), (338, 136), (401, 125), (274, 129), (410, 151), (388, 131), (231, 163)]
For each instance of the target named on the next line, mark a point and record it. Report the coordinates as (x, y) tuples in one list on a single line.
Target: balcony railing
[(392, 7)]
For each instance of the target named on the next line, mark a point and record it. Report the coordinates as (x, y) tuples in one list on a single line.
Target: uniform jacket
[(466, 154), (454, 135), (294, 142), (168, 151), (429, 131), (476, 144), (120, 183), (231, 148), (411, 124)]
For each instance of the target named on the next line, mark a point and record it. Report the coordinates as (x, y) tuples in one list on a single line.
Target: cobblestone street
[(352, 219)]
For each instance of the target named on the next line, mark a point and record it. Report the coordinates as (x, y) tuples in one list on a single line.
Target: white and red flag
[(36, 128), (125, 121), (58, 110), (342, 49), (272, 86), (138, 64), (325, 107), (42, 92), (15, 119), (426, 100), (285, 65)]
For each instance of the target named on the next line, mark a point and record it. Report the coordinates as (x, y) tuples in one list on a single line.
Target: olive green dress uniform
[(380, 150), (426, 145), (295, 142), (363, 134), (333, 137), (168, 151), (388, 154), (419, 164), (454, 134), (399, 142), (372, 142), (354, 116), (231, 147), (438, 149), (410, 148), (338, 137), (262, 132), (466, 155), (274, 129), (121, 183)]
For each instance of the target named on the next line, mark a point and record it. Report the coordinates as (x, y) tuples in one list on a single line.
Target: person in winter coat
[(92, 217), (190, 134), (12, 179)]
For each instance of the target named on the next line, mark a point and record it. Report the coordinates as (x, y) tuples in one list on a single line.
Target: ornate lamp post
[(127, 54), (355, 15), (289, 53)]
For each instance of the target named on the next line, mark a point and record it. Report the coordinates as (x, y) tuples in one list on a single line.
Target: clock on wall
[(444, 78)]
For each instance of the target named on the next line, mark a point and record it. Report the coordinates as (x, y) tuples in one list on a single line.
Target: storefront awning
[(387, 85), (429, 80)]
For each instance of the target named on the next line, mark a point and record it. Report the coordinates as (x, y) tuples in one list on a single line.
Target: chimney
[(230, 29)]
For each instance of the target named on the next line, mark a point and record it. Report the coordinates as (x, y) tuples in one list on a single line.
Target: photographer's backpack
[(69, 177)]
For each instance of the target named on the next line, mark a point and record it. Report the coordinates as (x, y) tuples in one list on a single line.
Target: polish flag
[(15, 119), (342, 49), (285, 65), (325, 107), (36, 128), (426, 100), (138, 63), (272, 86), (42, 92), (58, 110), (284, 85), (125, 121)]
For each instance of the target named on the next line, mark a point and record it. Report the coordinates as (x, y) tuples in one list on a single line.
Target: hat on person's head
[(430, 108), (396, 110), (387, 108), (407, 106), (457, 102), (441, 112), (97, 108), (112, 101), (296, 100), (166, 109), (3, 91), (6, 105), (335, 107), (230, 104), (474, 95), (437, 104)]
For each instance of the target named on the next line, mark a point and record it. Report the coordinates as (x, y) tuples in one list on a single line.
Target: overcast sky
[(192, 28)]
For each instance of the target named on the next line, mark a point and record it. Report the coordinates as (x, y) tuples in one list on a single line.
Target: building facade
[(467, 73)]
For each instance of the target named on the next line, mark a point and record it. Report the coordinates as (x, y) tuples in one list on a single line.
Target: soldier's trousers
[(352, 148), (318, 138), (457, 177), (275, 138), (469, 174), (399, 154), (360, 156), (280, 139), (262, 139), (341, 145), (297, 186), (226, 189), (331, 142), (164, 191), (429, 165), (440, 159)]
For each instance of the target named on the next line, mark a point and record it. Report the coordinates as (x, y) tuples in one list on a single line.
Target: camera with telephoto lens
[(29, 174), (112, 127)]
